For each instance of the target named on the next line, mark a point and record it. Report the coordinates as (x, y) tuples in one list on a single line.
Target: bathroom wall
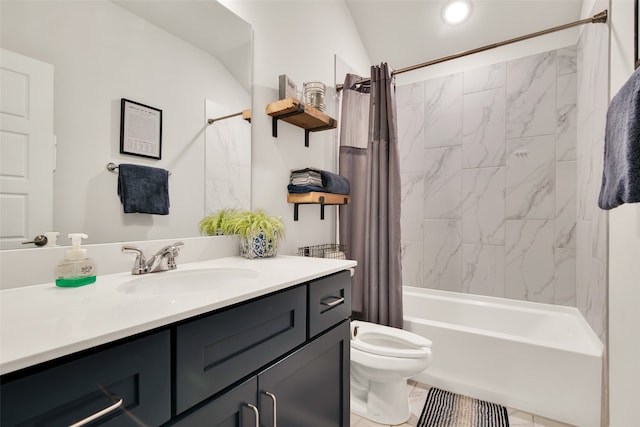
[(624, 252), (591, 226), (488, 174), (292, 38)]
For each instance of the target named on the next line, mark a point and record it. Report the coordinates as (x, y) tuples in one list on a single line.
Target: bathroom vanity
[(272, 348)]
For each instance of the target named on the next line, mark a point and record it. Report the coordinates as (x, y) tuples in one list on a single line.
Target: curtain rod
[(246, 114), (597, 18)]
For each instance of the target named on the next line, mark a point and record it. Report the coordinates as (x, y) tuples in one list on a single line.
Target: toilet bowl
[(382, 359)]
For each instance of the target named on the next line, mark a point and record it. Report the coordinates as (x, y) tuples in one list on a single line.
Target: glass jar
[(313, 93)]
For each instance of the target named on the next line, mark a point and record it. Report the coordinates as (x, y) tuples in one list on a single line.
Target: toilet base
[(385, 403)]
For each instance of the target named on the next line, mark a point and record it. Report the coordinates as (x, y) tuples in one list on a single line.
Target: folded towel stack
[(306, 177), (309, 179)]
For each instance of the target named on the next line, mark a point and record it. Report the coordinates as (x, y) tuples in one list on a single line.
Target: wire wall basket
[(331, 250)]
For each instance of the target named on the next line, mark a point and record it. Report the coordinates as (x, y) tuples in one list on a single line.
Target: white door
[(27, 149)]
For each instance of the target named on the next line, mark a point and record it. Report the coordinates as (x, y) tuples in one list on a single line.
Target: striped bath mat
[(446, 409)]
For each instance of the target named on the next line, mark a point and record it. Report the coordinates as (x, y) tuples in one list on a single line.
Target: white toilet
[(382, 359)]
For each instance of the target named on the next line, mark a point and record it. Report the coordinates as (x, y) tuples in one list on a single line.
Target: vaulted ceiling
[(407, 32)]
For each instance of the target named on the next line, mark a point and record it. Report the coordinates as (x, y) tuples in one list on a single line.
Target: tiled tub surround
[(490, 173)]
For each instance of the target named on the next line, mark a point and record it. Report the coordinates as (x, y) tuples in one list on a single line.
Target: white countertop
[(43, 322)]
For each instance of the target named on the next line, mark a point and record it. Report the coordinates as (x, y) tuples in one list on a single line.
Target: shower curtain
[(370, 224)]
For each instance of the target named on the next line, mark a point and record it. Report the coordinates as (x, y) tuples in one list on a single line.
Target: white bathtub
[(539, 358)]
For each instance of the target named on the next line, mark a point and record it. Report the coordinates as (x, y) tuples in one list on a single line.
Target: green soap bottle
[(76, 269)]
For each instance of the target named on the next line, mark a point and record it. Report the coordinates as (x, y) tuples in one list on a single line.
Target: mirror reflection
[(65, 68)]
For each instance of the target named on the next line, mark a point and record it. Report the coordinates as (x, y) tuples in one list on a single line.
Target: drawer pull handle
[(98, 414), (255, 411), (275, 407), (336, 301)]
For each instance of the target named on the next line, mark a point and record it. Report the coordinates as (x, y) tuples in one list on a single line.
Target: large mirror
[(61, 105)]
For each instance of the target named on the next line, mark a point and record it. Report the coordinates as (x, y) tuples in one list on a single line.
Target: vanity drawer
[(138, 373), (215, 351), (329, 301)]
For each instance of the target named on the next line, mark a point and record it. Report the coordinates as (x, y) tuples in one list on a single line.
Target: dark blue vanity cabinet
[(282, 358), (127, 383)]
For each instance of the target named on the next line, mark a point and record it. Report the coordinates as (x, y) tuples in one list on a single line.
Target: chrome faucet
[(163, 260)]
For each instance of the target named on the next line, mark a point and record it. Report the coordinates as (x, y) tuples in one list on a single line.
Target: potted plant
[(259, 233), (218, 223)]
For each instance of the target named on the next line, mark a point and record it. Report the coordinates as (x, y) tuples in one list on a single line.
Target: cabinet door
[(137, 373), (310, 386), (229, 410)]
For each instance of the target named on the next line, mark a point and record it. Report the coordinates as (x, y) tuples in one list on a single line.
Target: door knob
[(39, 240)]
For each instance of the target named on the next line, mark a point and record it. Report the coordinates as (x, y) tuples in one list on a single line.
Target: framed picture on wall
[(140, 129)]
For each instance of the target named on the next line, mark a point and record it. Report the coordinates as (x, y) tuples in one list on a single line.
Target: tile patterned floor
[(418, 395)]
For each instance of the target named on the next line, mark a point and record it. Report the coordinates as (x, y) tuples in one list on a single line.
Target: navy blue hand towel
[(143, 189), (334, 183), (299, 189), (621, 174)]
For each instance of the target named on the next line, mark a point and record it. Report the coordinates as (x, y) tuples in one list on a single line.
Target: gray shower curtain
[(370, 224)]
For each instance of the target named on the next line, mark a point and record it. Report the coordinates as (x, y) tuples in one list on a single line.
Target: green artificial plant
[(248, 224), (218, 223)]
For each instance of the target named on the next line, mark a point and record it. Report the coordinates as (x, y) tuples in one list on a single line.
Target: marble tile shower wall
[(488, 162)]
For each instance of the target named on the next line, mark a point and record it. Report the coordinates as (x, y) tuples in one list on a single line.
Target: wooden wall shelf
[(293, 111), (317, 198)]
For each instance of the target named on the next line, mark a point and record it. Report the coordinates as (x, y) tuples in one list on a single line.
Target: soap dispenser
[(76, 269)]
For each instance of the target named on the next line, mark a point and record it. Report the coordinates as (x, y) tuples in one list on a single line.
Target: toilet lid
[(399, 343)]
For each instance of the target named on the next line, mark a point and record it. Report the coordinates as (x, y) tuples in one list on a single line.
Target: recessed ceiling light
[(456, 11)]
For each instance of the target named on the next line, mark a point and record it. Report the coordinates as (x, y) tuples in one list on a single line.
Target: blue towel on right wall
[(621, 174)]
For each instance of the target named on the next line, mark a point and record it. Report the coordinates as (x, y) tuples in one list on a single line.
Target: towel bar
[(112, 167)]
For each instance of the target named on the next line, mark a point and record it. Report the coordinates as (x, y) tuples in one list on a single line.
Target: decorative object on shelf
[(327, 250), (140, 129), (218, 223), (313, 94), (293, 111), (287, 87)]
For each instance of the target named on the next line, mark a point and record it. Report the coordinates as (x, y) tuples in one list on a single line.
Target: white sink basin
[(188, 281)]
